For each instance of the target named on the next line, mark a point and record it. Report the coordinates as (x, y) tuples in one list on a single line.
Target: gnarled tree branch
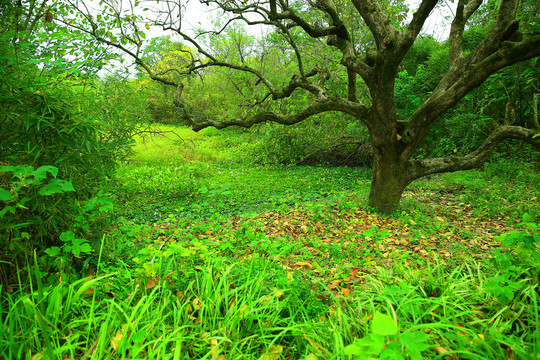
[(317, 107), (475, 159)]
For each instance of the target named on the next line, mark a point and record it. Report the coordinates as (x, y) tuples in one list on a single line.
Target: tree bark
[(387, 184)]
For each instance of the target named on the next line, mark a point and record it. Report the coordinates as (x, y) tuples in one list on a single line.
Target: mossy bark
[(387, 184)]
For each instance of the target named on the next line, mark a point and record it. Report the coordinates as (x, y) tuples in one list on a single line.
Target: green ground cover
[(211, 257)]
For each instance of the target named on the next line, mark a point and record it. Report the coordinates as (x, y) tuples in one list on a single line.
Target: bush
[(39, 211), (54, 137), (324, 139)]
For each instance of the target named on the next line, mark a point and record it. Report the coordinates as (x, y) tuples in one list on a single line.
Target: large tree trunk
[(389, 177), (387, 185)]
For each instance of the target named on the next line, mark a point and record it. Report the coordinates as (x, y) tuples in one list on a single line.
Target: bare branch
[(464, 11), (423, 167), (380, 26), (415, 26), (317, 107)]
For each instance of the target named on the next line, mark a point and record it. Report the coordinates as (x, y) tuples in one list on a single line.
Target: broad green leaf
[(366, 346), (53, 251), (67, 236), (415, 343), (67, 186), (5, 195), (7, 209), (56, 186), (392, 351), (6, 168), (21, 170), (368, 233), (86, 248), (53, 170), (383, 324), (53, 187)]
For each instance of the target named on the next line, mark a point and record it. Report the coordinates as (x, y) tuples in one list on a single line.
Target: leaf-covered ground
[(332, 236)]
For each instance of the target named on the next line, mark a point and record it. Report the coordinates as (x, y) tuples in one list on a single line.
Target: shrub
[(321, 140)]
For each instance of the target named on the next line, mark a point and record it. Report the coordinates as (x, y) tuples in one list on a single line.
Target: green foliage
[(522, 167), (163, 55), (198, 268), (55, 136), (328, 139), (520, 256), (420, 53), (29, 205), (383, 343), (50, 119), (464, 128), (36, 206)]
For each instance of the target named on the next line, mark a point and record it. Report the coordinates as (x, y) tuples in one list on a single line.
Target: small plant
[(30, 200), (518, 262), (520, 246), (385, 342)]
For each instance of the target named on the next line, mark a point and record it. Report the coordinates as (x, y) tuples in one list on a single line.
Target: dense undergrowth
[(209, 256)]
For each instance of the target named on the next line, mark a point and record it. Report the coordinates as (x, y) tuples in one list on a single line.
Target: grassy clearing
[(174, 146), (214, 258)]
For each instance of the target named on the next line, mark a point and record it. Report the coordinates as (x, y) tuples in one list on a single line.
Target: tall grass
[(252, 310)]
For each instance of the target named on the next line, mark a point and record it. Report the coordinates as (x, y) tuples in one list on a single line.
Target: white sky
[(197, 15)]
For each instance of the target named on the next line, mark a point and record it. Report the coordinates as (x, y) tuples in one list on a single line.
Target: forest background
[(123, 233)]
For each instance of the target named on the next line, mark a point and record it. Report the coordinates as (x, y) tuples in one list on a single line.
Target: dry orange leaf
[(442, 351), (303, 264), (151, 283), (215, 349), (290, 278), (243, 308), (274, 353), (118, 337), (509, 354)]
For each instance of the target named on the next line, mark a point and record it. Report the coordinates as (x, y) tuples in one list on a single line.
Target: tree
[(366, 60)]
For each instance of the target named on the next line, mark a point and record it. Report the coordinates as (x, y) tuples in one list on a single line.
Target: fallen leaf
[(215, 350), (274, 353), (442, 351), (151, 283), (303, 264), (118, 337), (290, 277), (509, 353)]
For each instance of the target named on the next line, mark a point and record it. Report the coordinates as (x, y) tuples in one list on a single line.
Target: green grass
[(173, 146), (212, 257), (256, 310)]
